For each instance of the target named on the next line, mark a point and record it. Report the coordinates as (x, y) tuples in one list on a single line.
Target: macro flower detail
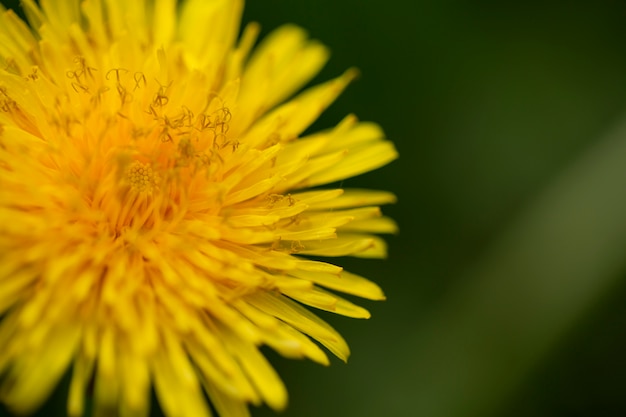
[(163, 211)]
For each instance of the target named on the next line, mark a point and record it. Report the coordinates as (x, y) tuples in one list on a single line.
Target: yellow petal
[(135, 385), (302, 320), (259, 371), (282, 64), (324, 300), (341, 281), (292, 118), (225, 404), (208, 29), (164, 21), (81, 375), (177, 398), (379, 225), (33, 377), (357, 161)]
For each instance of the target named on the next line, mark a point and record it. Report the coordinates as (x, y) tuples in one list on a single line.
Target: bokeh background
[(506, 284)]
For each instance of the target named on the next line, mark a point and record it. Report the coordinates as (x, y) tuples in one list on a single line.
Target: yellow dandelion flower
[(160, 215)]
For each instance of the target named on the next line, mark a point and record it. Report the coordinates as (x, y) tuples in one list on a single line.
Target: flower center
[(141, 177)]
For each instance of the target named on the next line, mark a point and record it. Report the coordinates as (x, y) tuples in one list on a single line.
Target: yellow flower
[(160, 214)]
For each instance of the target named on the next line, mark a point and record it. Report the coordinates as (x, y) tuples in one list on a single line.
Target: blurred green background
[(506, 283)]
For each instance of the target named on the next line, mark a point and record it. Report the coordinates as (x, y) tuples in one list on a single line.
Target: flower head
[(160, 215)]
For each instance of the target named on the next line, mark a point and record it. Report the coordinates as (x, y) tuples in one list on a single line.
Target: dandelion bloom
[(160, 210)]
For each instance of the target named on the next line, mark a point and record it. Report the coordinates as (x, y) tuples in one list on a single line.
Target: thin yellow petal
[(39, 373), (354, 198), (357, 161), (92, 10), (290, 119), (81, 374), (378, 225), (324, 300), (233, 383), (60, 16), (281, 337), (283, 63), (259, 371), (303, 320), (33, 13), (341, 281), (208, 28), (164, 21), (17, 31), (135, 385), (226, 405), (344, 245), (177, 398)]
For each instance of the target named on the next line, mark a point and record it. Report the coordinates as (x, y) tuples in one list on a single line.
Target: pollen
[(142, 177)]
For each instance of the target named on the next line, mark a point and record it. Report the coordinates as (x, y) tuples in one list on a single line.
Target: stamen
[(142, 178)]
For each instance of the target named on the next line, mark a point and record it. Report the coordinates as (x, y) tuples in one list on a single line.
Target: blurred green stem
[(565, 252)]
